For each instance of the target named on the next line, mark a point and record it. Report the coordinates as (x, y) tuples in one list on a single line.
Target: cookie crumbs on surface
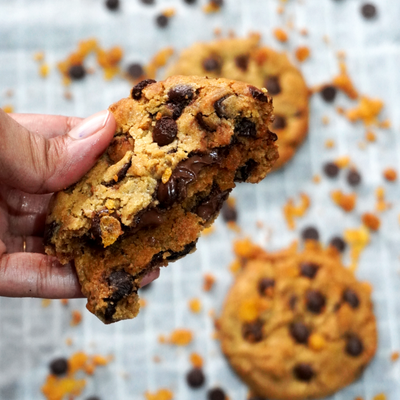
[(325, 120), (46, 303), (357, 239), (68, 341), (217, 32), (347, 202), (370, 136), (76, 318), (344, 83), (367, 111), (394, 356), (292, 211), (157, 359), (169, 12), (38, 56), (142, 303), (162, 394), (245, 249), (381, 204), (329, 143), (208, 282), (280, 35), (302, 53), (64, 302), (380, 396), (316, 178), (195, 305), (196, 360), (208, 231), (280, 9), (385, 124), (158, 61), (303, 31), (342, 162), (371, 221), (109, 60), (44, 70), (212, 6), (233, 226), (390, 174), (8, 109), (178, 337)]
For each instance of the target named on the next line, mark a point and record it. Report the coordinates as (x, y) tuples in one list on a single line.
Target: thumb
[(34, 164)]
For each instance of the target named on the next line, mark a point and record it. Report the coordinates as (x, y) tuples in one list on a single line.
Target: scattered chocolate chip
[(59, 366), (195, 378), (331, 169), (279, 122), (162, 21), (303, 372), (93, 398), (77, 72), (176, 255), (112, 4), (272, 85), (229, 213), (190, 1), (219, 107), (299, 332), (165, 131), (328, 93), (293, 302), (244, 172), (264, 284), (354, 346), (216, 394), (252, 331), (245, 127), (242, 62), (310, 232), (308, 269), (258, 94), (137, 90), (353, 178), (148, 2), (368, 10), (350, 296), (218, 3), (135, 70), (315, 301), (212, 64), (338, 243)]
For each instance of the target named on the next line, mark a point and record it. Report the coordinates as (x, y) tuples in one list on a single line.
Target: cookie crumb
[(380, 396), (366, 111), (8, 109), (208, 282), (162, 394), (342, 162), (178, 337), (280, 35), (169, 12), (76, 318), (44, 70), (394, 356), (381, 204), (208, 231), (370, 136), (302, 53), (235, 267), (292, 211), (46, 303), (325, 120), (371, 221), (316, 178), (344, 83), (385, 124), (195, 305), (68, 341), (142, 303), (347, 202), (158, 61), (196, 360), (357, 239), (212, 6), (329, 143), (390, 174)]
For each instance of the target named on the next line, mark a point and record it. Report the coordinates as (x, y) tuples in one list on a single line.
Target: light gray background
[(30, 335)]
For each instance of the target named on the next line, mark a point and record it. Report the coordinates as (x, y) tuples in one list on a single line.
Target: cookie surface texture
[(179, 148), (244, 59), (297, 325)]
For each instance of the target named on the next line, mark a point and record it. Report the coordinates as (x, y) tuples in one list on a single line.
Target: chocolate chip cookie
[(179, 148), (244, 59), (297, 325)]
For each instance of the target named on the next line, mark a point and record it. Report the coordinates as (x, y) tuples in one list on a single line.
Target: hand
[(41, 154)]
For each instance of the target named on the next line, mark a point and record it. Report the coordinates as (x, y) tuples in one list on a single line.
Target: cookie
[(244, 59), (179, 147), (296, 324)]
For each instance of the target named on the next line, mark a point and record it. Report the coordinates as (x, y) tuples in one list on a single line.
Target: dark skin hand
[(41, 154)]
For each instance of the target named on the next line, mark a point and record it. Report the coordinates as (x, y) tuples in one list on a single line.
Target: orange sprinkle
[(76, 318), (330, 143), (371, 221), (208, 282), (8, 109), (162, 394), (343, 82), (370, 136), (345, 201), (248, 310), (235, 267), (195, 305), (291, 211), (196, 360), (357, 239), (181, 337), (302, 53), (280, 35), (367, 111), (395, 356), (390, 174)]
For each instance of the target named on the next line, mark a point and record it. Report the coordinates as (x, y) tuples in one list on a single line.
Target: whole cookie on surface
[(246, 60), (297, 325), (179, 148)]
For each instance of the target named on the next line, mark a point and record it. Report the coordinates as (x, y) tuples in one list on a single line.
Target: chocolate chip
[(242, 62), (273, 136), (49, 230), (257, 398), (331, 169), (293, 302), (59, 366), (162, 21), (119, 146), (272, 85), (218, 3), (258, 94), (353, 178), (350, 296), (112, 4), (219, 107), (212, 204), (148, 2), (135, 70), (216, 394), (368, 10), (315, 301), (328, 93), (195, 378), (190, 1), (229, 213), (76, 72), (308, 269), (165, 131), (252, 331), (148, 218), (203, 123), (121, 283), (176, 255), (212, 64), (95, 229), (279, 122), (264, 284), (244, 172), (354, 346), (137, 90), (93, 398), (180, 94), (299, 332), (245, 127), (338, 243), (303, 372), (120, 174), (310, 232)]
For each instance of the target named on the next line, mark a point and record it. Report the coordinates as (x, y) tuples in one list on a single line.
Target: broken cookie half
[(179, 147)]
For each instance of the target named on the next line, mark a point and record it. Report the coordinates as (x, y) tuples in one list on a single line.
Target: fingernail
[(90, 125)]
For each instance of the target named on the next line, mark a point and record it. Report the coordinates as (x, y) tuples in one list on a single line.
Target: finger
[(49, 126), (37, 275), (153, 275), (34, 164), (24, 244)]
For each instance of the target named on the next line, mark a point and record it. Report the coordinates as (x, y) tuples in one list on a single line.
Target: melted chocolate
[(244, 172), (219, 107), (203, 123), (137, 90), (176, 255), (148, 218), (258, 94), (120, 175), (212, 204), (49, 231)]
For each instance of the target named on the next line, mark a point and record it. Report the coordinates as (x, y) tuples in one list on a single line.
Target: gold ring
[(23, 244)]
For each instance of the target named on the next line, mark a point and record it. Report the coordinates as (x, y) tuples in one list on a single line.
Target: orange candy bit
[(302, 53), (380, 396), (181, 337), (280, 35), (196, 360), (371, 221), (316, 342), (390, 174), (76, 318), (208, 282), (347, 202), (162, 394), (195, 305), (367, 111), (395, 356), (292, 211), (342, 162), (330, 143)]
